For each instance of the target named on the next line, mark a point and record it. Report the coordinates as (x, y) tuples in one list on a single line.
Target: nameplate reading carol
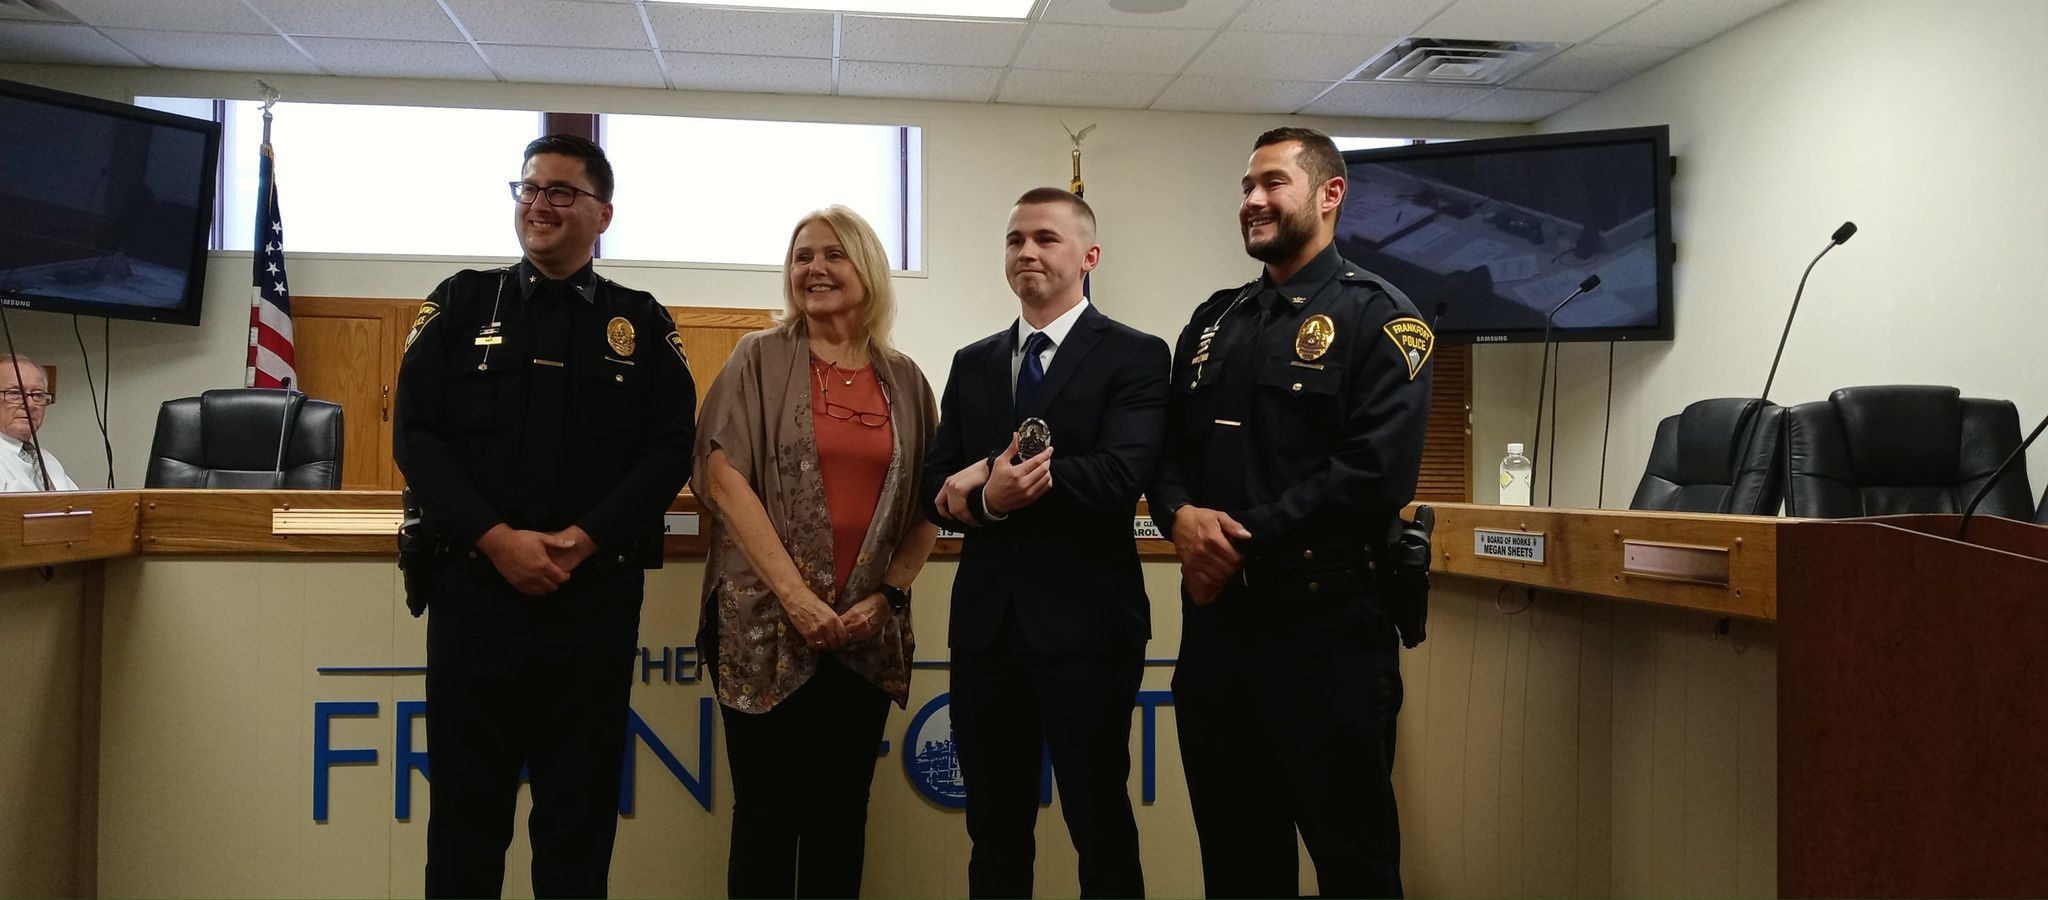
[(1512, 546)]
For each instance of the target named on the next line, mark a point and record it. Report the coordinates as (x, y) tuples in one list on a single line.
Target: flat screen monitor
[(1499, 231), (108, 206)]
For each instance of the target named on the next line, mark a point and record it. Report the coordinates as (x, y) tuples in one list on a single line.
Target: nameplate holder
[(681, 524), (1508, 546), (1687, 563), (69, 526), (288, 522)]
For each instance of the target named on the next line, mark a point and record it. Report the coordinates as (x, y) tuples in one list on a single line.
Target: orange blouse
[(855, 441)]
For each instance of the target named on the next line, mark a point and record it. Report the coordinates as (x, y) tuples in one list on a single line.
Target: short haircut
[(870, 262), (1315, 152), (1073, 201), (8, 362), (594, 162)]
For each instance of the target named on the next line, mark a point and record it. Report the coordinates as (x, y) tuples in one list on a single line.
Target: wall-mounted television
[(109, 207), (1499, 231)]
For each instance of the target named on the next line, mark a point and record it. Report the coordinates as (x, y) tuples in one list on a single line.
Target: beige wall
[(1164, 186), (1906, 116), (1575, 747)]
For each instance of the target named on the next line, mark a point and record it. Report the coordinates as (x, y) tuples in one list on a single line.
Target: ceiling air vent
[(32, 11), (1452, 62)]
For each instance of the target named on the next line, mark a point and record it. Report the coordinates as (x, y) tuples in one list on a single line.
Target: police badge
[(1033, 436), (1315, 337), (619, 333)]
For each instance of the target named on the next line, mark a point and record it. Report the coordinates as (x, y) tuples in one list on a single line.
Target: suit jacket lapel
[(1086, 333), (1001, 387)]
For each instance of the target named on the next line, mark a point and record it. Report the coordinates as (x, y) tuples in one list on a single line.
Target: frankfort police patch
[(676, 341), (1413, 340), (428, 311)]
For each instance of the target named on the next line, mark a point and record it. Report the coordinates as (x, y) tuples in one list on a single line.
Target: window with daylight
[(426, 181), (730, 191), (373, 179)]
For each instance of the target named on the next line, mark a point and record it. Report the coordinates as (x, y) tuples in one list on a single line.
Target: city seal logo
[(1413, 340), (928, 756), (428, 311), (1315, 337), (619, 333)]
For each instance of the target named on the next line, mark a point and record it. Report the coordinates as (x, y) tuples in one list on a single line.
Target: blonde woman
[(808, 459)]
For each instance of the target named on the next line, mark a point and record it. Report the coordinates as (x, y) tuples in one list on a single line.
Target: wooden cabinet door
[(343, 349)]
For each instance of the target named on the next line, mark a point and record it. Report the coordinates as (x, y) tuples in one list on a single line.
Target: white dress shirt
[(1056, 330), (18, 469)]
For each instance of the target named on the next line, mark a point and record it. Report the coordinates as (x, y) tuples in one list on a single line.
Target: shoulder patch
[(675, 340), (428, 311), (1413, 340)]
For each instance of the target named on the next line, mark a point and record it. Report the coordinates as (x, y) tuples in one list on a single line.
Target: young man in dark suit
[(1048, 432)]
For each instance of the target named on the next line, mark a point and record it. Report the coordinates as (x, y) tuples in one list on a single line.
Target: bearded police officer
[(1296, 423), (544, 422)]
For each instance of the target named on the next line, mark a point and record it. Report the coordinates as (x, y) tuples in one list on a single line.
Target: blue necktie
[(1033, 371)]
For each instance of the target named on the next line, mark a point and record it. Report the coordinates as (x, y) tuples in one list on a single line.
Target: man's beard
[(1291, 233)]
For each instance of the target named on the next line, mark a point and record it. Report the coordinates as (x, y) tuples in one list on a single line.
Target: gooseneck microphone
[(1543, 382), (1840, 237), (283, 428), (2018, 453)]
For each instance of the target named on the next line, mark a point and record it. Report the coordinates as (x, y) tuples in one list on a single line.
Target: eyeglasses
[(558, 195), (849, 414), (34, 398)]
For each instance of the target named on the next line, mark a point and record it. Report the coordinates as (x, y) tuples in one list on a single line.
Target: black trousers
[(800, 779), (1010, 705), (1288, 725), (538, 683)]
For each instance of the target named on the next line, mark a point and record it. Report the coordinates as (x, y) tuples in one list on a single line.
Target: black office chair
[(229, 439), (1724, 455), (1893, 449)]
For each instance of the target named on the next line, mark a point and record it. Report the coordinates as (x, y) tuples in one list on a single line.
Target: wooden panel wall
[(1581, 747), (1447, 451)]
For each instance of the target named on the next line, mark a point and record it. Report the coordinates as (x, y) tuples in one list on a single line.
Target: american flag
[(270, 306)]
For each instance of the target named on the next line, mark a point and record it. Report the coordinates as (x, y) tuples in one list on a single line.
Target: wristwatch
[(899, 599)]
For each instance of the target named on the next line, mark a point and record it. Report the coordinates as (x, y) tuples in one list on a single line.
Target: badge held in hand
[(1033, 436)]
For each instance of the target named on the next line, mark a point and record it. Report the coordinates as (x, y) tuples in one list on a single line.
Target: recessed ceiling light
[(1146, 6), (950, 9)]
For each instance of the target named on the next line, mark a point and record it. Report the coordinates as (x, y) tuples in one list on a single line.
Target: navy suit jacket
[(1067, 562)]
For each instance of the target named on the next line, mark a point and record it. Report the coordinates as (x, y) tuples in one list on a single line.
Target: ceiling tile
[(1521, 20), (691, 29), (1090, 48), (401, 20), (1518, 106), (1209, 14), (1198, 93), (1287, 57), (1400, 17), (552, 23), (29, 42), (945, 42), (756, 74), (916, 81), (227, 16), (228, 52), (1685, 23), (396, 59), (575, 65), (1593, 67), (1394, 101), (1097, 89)]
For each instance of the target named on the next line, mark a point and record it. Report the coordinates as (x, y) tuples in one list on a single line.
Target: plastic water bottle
[(1516, 471)]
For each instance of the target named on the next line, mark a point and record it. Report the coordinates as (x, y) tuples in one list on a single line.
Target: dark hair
[(1055, 195), (594, 162), (1316, 154)]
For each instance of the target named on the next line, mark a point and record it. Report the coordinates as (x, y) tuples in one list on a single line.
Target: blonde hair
[(870, 263)]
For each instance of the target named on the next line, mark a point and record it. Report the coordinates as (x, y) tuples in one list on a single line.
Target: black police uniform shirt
[(1302, 413), (544, 404)]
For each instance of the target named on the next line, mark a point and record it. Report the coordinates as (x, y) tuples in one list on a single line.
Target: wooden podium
[(1912, 710)]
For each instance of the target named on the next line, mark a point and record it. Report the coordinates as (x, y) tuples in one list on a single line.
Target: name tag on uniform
[(490, 335)]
